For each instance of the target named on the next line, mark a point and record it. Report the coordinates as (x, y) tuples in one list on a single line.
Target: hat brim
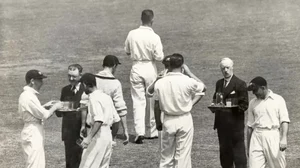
[(41, 77)]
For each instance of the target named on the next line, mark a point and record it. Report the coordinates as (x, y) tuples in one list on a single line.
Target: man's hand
[(83, 131), (159, 126), (86, 141), (283, 144), (58, 105)]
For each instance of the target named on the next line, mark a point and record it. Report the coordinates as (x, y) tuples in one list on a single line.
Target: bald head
[(226, 66)]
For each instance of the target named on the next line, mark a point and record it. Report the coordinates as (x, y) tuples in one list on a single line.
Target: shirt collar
[(146, 27), (77, 87), (30, 89), (174, 73), (228, 80), (270, 94), (105, 74)]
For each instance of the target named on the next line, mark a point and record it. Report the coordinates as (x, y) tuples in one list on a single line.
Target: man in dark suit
[(71, 121), (230, 125)]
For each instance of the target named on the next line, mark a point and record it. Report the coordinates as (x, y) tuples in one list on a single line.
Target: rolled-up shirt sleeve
[(197, 87), (283, 112), (84, 99), (158, 50), (96, 110), (127, 44), (37, 110)]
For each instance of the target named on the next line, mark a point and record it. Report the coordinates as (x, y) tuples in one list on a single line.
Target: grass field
[(262, 37)]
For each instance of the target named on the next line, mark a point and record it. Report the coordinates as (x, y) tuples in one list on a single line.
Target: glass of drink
[(228, 102)]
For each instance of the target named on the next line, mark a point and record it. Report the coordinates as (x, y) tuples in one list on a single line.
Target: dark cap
[(257, 82), (110, 61), (34, 74)]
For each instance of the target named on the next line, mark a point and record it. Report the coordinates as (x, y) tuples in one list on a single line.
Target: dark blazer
[(236, 89), (71, 121)]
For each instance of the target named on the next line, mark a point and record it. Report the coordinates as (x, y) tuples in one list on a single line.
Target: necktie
[(225, 83), (73, 89)]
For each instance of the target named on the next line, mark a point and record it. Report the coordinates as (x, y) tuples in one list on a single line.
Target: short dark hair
[(257, 82), (88, 79), (176, 61), (77, 66), (166, 61), (110, 61), (147, 16)]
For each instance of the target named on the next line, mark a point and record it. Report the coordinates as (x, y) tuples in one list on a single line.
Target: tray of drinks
[(221, 108), (68, 106)]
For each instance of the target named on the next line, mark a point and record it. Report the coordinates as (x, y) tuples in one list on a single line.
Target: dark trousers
[(232, 147), (73, 154)]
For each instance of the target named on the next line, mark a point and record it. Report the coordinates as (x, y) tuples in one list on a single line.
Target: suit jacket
[(71, 121), (236, 89)]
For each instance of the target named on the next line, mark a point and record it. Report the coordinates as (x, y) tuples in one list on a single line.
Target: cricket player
[(268, 122), (108, 84), (101, 115), (144, 47), (177, 93), (33, 114)]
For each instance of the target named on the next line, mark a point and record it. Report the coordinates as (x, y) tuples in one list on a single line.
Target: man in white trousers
[(101, 115), (150, 92), (33, 114), (144, 47), (177, 93), (268, 122)]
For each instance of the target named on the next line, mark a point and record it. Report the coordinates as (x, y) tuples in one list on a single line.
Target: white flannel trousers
[(177, 139), (141, 76), (98, 152), (264, 149), (32, 139)]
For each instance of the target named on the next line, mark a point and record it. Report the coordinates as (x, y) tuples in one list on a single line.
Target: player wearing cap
[(108, 84), (33, 114), (71, 121), (102, 114), (268, 122), (144, 47), (231, 125), (177, 93)]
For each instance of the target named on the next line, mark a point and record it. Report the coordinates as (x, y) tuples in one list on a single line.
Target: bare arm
[(125, 129), (187, 71), (83, 131), (283, 138), (86, 141), (150, 88), (249, 133), (157, 113)]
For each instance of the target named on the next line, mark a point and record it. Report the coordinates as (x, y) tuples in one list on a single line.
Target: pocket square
[(233, 92)]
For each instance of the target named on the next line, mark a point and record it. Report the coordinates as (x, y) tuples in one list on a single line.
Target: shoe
[(139, 139), (155, 137)]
